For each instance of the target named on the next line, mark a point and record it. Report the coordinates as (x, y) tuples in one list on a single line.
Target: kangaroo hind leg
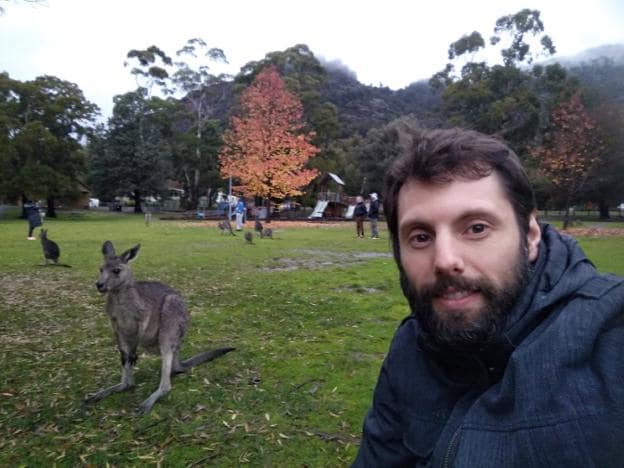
[(128, 360), (165, 383)]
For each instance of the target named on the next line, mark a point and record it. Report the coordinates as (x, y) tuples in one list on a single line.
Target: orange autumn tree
[(266, 148), (571, 150)]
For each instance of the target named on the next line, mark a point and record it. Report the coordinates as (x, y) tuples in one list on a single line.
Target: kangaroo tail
[(204, 357)]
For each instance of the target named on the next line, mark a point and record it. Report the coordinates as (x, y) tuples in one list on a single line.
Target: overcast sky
[(389, 42)]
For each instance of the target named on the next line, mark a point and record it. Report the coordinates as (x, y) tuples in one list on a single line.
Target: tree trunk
[(51, 211), (566, 219), (603, 206), (268, 216), (195, 193), (136, 196)]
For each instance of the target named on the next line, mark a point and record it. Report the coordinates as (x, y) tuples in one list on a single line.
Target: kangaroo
[(249, 237), (267, 232), (225, 226), (146, 313), (51, 250), (258, 226)]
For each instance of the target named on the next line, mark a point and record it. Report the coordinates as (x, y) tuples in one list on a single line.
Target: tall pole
[(228, 201)]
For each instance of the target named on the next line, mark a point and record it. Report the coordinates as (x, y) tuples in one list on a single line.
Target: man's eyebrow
[(472, 213), (487, 214)]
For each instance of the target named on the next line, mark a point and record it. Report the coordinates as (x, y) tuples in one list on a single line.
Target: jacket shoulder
[(602, 285)]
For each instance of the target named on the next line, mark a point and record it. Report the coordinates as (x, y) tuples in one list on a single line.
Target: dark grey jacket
[(32, 214), (551, 394)]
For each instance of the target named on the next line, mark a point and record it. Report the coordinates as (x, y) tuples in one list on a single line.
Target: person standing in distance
[(31, 210), (512, 354), (240, 213), (359, 213), (373, 215)]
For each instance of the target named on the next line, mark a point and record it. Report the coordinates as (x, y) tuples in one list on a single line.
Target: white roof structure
[(337, 179)]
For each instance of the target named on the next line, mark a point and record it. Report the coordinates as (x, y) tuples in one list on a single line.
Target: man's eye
[(478, 228), (419, 240)]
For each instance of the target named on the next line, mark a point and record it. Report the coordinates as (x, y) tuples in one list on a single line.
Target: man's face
[(463, 256)]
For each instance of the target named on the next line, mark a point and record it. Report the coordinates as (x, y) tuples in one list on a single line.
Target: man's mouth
[(452, 294), (456, 299)]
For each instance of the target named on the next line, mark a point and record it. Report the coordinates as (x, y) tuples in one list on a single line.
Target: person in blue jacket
[(240, 213), (512, 355), (31, 211)]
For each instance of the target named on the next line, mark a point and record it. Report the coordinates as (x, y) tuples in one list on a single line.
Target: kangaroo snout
[(100, 287)]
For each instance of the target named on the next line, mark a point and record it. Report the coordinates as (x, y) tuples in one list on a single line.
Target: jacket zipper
[(450, 448)]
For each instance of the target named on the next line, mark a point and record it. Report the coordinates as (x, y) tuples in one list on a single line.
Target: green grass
[(310, 312)]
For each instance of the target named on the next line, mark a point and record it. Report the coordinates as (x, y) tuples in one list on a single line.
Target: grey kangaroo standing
[(146, 313), (51, 250)]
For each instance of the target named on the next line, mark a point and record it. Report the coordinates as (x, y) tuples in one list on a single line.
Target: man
[(359, 213), (373, 215), (513, 354), (33, 216)]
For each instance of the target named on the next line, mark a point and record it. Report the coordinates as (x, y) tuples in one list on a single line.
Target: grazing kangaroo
[(249, 237), (146, 313), (225, 226), (267, 232), (258, 226), (51, 250)]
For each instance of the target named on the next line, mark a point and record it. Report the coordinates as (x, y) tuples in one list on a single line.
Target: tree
[(605, 185), (132, 157), (304, 76), (517, 27), (570, 152), (42, 127), (265, 148), (508, 100), (200, 141)]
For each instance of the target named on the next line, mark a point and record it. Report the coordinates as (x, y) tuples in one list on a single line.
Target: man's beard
[(457, 330)]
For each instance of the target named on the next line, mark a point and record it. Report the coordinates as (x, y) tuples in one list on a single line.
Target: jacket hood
[(559, 271)]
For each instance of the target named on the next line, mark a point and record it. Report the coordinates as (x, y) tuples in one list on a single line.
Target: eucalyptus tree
[(201, 92), (507, 99)]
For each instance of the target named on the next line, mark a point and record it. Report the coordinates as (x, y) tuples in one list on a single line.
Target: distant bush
[(9, 212)]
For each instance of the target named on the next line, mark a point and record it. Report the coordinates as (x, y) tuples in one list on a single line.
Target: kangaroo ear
[(130, 254), (108, 250)]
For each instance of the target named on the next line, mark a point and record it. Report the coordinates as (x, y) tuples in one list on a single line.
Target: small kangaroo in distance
[(51, 250), (225, 226), (145, 313)]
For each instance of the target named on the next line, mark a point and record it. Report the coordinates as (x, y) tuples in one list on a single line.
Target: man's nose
[(448, 255)]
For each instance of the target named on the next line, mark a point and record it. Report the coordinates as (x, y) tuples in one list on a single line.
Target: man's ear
[(534, 235)]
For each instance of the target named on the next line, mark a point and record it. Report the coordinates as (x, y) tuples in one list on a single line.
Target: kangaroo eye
[(116, 270)]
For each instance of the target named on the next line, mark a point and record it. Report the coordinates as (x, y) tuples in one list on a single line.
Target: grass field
[(310, 312)]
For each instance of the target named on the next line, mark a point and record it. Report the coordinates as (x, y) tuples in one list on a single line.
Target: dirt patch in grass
[(595, 232), (277, 224), (314, 259)]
